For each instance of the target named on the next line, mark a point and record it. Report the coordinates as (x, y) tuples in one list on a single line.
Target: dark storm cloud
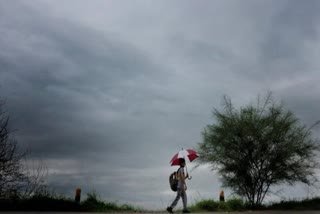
[(293, 25), (284, 49), (287, 57), (81, 101), (106, 93), (73, 91)]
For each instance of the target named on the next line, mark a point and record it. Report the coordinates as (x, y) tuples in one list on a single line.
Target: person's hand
[(185, 188), (187, 175)]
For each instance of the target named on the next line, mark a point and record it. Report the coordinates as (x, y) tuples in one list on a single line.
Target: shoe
[(169, 209), (186, 211)]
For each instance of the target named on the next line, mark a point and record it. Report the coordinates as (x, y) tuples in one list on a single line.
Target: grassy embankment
[(52, 202), (239, 205)]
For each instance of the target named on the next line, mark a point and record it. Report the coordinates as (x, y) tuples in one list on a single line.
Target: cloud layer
[(106, 93)]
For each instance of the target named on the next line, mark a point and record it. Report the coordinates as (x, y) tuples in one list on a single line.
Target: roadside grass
[(305, 204), (50, 201), (94, 204), (210, 205), (205, 205), (236, 204), (44, 201)]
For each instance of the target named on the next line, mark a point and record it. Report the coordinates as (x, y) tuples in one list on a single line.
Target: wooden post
[(78, 195), (221, 199), (221, 196)]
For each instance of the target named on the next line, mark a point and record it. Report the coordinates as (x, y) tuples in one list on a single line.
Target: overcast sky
[(106, 92)]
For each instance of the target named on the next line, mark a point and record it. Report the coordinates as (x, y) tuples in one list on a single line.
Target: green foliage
[(41, 202), (258, 146), (306, 204), (94, 204), (205, 205), (47, 203), (210, 205), (235, 204), (51, 201)]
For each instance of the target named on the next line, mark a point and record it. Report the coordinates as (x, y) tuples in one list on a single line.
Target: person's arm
[(183, 178)]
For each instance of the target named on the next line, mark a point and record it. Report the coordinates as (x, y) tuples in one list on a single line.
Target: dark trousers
[(180, 193)]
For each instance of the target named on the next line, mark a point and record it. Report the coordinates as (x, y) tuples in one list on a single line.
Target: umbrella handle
[(189, 177)]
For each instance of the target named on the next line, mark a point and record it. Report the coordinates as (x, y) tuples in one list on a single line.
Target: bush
[(93, 203), (49, 204), (313, 203), (306, 204), (211, 205), (235, 204), (40, 203), (206, 205), (50, 201)]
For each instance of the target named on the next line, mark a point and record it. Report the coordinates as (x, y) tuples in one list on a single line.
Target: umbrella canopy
[(189, 154)]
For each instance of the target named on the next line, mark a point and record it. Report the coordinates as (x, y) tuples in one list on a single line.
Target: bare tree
[(36, 173), (16, 178), (11, 176)]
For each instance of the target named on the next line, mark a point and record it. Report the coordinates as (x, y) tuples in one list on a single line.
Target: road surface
[(249, 212)]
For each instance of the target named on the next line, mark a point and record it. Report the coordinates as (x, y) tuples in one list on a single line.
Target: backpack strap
[(179, 170)]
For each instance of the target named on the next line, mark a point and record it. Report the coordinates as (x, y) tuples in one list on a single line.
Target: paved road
[(250, 212)]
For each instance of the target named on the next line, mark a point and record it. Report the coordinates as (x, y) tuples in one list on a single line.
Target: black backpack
[(173, 181)]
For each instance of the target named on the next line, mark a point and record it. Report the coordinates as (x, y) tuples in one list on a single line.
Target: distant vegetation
[(305, 204), (53, 202), (209, 205), (92, 203)]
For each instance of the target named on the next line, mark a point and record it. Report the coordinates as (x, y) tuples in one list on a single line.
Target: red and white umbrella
[(188, 154)]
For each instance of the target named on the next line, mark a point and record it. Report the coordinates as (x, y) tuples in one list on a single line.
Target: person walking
[(182, 187)]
